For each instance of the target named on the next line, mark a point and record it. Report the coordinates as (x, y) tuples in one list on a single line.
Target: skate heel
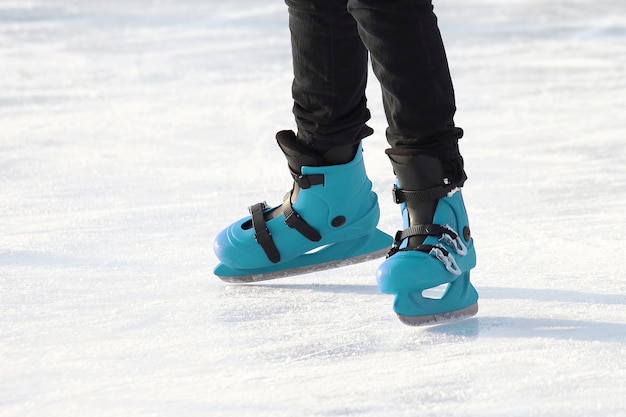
[(459, 300)]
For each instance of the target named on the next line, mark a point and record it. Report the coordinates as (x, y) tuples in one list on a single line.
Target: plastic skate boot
[(327, 220), (435, 250)]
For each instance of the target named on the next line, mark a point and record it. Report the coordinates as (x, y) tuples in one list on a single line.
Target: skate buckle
[(307, 181), (455, 243), (262, 234), (395, 246), (396, 195), (446, 259), (262, 205)]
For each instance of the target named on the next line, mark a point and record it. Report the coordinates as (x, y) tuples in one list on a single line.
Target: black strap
[(307, 181), (424, 230), (419, 230), (421, 248), (293, 220), (262, 234), (430, 194)]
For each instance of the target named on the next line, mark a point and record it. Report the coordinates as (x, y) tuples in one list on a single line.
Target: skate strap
[(293, 220), (307, 181), (418, 230), (262, 234), (420, 248), (408, 196), (423, 230)]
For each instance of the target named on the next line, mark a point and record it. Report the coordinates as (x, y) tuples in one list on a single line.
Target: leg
[(435, 248), (330, 74), (409, 60)]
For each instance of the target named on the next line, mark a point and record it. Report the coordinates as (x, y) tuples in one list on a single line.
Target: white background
[(132, 131)]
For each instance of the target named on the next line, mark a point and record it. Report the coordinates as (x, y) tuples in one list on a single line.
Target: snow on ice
[(133, 131)]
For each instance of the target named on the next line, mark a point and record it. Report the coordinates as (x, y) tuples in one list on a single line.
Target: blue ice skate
[(327, 220), (435, 250)]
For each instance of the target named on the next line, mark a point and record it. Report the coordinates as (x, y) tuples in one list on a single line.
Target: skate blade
[(432, 319), (227, 274), (337, 255)]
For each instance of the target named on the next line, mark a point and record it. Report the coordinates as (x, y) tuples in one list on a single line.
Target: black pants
[(330, 43)]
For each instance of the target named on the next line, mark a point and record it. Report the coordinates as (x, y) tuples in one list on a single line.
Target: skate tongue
[(416, 171), (299, 155)]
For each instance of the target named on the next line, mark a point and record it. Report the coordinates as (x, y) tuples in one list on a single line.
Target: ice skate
[(434, 250), (327, 220)]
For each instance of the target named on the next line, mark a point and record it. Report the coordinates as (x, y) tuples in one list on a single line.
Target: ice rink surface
[(133, 131)]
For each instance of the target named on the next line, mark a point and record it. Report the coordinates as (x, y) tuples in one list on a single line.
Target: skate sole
[(361, 249), (307, 269), (431, 319)]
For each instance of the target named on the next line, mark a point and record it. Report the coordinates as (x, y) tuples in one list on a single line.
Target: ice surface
[(133, 131)]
